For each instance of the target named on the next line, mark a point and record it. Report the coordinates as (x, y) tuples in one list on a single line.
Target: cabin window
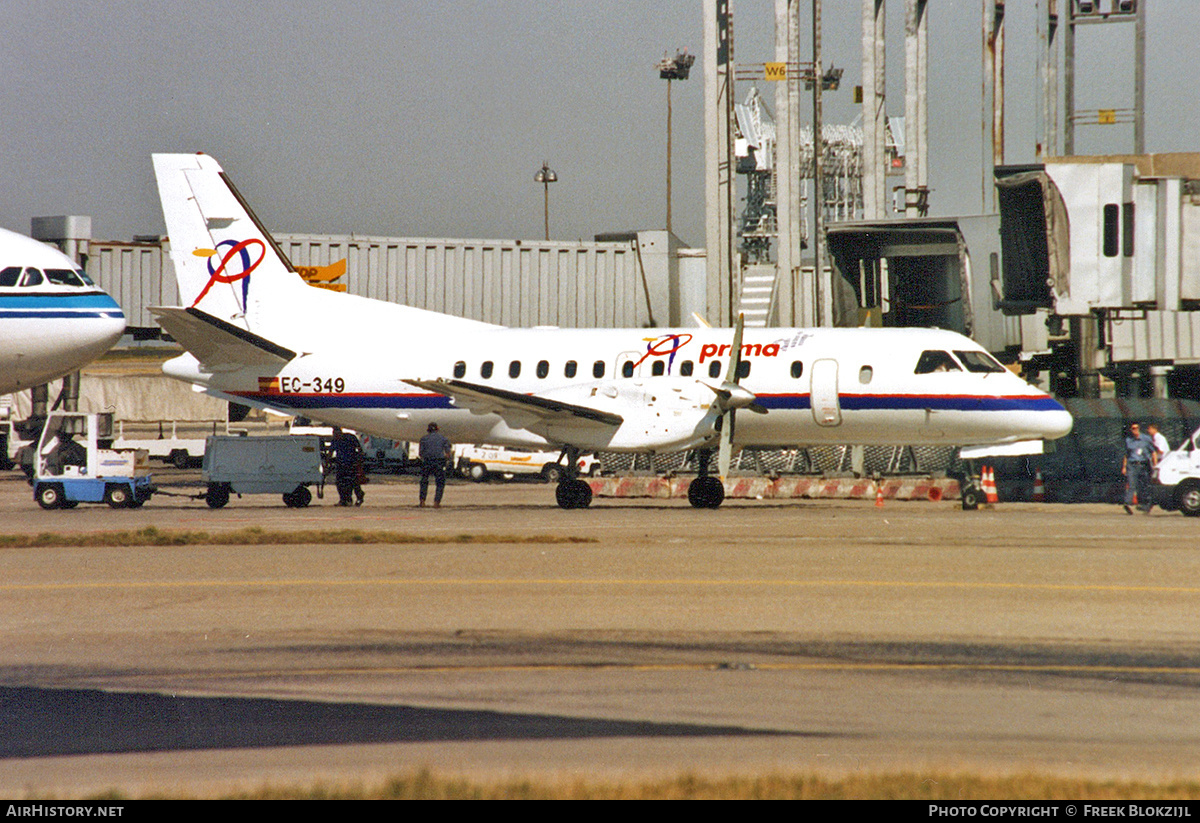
[(743, 369), (714, 368), (685, 368), (658, 368), (514, 369), (485, 369), (627, 368), (865, 374), (460, 369), (598, 369), (10, 276), (33, 277), (543, 368), (797, 368), (570, 368), (979, 361), (935, 361)]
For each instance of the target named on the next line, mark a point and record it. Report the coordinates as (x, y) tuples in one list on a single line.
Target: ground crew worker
[(434, 450), (348, 465), (1139, 458)]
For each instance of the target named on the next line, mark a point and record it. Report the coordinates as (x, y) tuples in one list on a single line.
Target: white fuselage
[(258, 335), (818, 385), (53, 320)]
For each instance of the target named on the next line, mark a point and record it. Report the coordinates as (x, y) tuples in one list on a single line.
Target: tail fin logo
[(235, 264)]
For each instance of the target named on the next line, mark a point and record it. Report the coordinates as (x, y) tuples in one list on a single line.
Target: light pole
[(546, 176), (673, 68)]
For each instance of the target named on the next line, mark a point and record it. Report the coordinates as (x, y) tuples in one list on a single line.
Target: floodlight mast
[(673, 68), (546, 176)]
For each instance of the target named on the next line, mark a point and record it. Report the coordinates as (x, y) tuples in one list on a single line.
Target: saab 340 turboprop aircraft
[(53, 319), (256, 334)]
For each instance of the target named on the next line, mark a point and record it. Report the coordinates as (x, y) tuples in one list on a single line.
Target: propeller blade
[(725, 455), (735, 354)]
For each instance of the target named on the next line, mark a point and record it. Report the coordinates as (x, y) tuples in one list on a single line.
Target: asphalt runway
[(763, 637)]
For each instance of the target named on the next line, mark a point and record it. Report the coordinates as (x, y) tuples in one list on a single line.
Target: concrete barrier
[(898, 488)]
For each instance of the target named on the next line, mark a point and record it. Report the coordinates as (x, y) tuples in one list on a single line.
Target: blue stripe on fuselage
[(902, 402), (348, 401), (958, 402), (848, 402)]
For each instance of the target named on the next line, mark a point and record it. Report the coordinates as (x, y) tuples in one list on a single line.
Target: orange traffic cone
[(1039, 489), (878, 495), (989, 485)]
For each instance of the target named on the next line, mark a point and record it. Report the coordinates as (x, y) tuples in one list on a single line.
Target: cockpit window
[(33, 277), (10, 276), (934, 361), (63, 277), (979, 361)]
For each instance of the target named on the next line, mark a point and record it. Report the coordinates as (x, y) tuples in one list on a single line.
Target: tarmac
[(637, 638)]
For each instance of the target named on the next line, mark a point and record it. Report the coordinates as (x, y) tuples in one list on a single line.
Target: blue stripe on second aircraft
[(57, 305)]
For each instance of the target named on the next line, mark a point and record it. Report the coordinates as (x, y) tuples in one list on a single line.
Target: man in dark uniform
[(347, 462), (434, 450), (1139, 457)]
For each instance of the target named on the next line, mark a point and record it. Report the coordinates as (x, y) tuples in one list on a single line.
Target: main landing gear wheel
[(573, 494), (706, 492)]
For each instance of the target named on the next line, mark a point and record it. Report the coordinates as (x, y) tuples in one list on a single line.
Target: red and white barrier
[(900, 488)]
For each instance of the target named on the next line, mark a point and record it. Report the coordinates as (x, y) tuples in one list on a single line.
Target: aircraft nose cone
[(1056, 423)]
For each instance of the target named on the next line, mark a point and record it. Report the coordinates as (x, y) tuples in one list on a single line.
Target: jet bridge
[(1108, 250), (924, 272)]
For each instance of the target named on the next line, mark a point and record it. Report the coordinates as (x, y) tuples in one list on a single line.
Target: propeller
[(730, 396)]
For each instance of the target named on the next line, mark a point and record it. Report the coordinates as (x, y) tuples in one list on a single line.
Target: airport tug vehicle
[(75, 463)]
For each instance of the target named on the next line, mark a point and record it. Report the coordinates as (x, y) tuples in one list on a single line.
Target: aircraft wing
[(524, 411), (218, 345)]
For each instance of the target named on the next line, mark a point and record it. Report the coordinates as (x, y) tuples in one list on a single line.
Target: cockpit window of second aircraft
[(26, 277)]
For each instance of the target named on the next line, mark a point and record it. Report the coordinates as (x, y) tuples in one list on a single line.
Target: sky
[(430, 119)]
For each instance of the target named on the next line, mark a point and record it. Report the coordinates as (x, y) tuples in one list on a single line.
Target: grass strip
[(255, 536), (931, 786)]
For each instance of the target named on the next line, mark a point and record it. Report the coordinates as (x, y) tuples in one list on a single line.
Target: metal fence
[(508, 282)]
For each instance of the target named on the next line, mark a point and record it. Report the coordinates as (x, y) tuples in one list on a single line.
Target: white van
[(481, 462), (1178, 478)]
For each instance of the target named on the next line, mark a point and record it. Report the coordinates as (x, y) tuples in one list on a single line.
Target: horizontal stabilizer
[(218, 345), (524, 411)]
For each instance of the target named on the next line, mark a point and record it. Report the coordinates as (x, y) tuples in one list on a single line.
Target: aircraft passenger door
[(824, 393)]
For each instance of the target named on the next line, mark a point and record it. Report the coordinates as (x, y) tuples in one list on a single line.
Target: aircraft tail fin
[(226, 264)]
